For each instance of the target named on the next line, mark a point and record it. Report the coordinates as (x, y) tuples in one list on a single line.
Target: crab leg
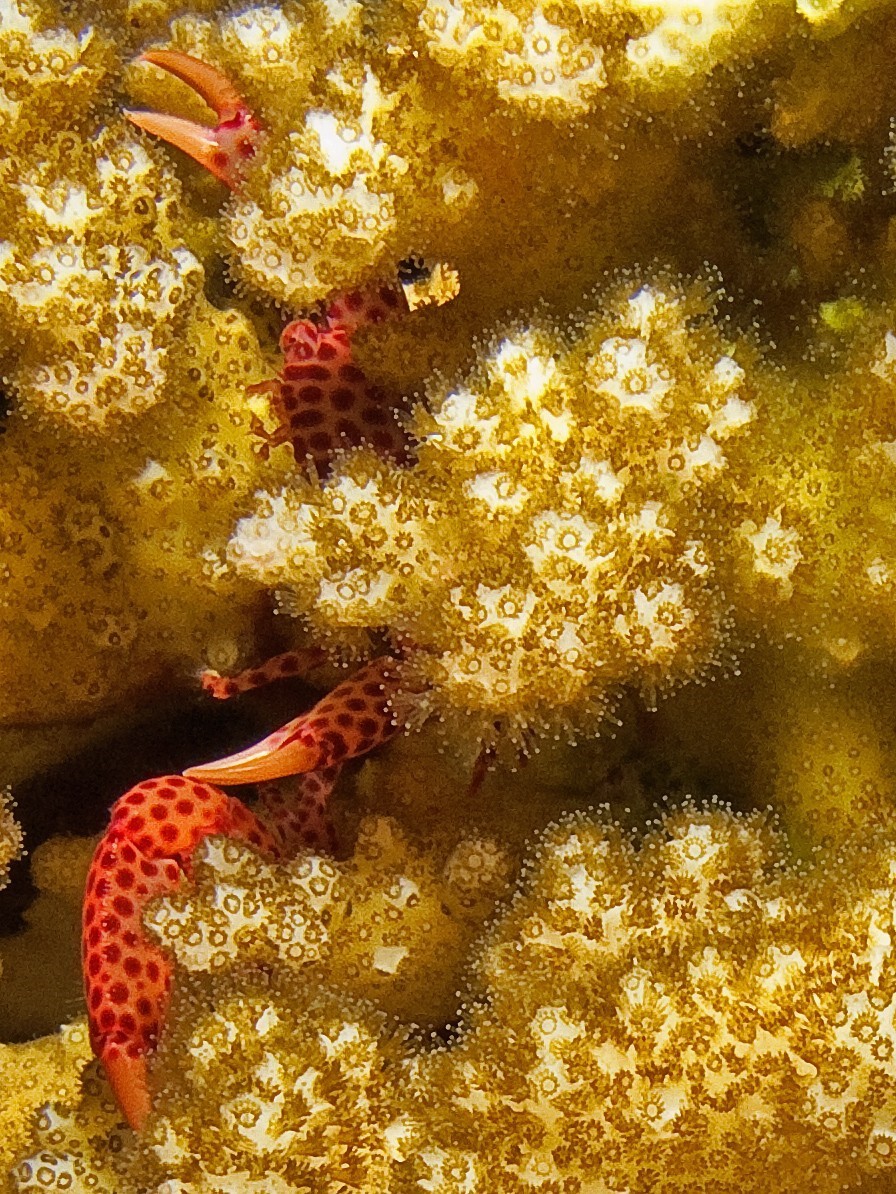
[(224, 149), (146, 852), (279, 667), (354, 718), (295, 811)]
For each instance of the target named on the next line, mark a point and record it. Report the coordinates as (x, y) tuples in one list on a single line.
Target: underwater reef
[(610, 291)]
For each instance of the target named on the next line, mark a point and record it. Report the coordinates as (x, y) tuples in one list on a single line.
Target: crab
[(155, 828), (321, 399), (324, 403)]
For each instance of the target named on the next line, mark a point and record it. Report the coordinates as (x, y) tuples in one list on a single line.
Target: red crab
[(323, 402), (156, 826), (321, 399)]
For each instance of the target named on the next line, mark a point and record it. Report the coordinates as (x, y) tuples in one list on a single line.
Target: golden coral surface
[(643, 552)]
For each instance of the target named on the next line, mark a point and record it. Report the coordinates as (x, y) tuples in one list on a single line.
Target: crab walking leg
[(280, 667), (295, 810), (354, 718), (224, 149), (146, 852)]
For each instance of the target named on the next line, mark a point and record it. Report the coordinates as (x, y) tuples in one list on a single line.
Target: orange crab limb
[(224, 149), (280, 667), (354, 718), (145, 852)]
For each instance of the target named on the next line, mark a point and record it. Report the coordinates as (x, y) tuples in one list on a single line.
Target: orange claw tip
[(268, 759), (127, 1077), (194, 139), (208, 82), (223, 150)]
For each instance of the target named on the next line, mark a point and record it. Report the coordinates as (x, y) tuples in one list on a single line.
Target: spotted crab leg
[(145, 852), (224, 149), (354, 718), (295, 811)]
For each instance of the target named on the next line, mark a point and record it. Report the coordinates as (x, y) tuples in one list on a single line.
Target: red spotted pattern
[(280, 667), (322, 400), (295, 811), (353, 719), (145, 852)]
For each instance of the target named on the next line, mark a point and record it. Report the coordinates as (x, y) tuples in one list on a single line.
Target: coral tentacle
[(146, 852), (222, 150), (353, 719)]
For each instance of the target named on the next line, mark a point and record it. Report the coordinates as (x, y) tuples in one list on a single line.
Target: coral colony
[(521, 378)]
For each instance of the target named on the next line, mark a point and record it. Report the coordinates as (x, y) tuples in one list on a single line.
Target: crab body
[(322, 400)]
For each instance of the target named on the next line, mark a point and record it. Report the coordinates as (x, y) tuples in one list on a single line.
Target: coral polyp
[(563, 531)]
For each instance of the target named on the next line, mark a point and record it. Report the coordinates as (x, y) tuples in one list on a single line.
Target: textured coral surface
[(615, 911)]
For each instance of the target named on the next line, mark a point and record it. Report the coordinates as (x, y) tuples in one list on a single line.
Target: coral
[(44, 955), (642, 1012), (813, 558), (624, 481), (51, 71), (85, 284), (657, 1012), (828, 760), (114, 552), (33, 1074), (392, 924), (10, 837), (560, 534)]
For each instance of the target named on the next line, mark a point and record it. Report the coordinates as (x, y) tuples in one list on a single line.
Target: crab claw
[(224, 149), (146, 852), (354, 718)]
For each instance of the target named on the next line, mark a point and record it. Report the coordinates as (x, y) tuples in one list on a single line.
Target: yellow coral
[(561, 533), (124, 576), (45, 955), (603, 503), (10, 837), (393, 922), (642, 1012), (51, 70), (98, 308), (657, 1012), (32, 1074)]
